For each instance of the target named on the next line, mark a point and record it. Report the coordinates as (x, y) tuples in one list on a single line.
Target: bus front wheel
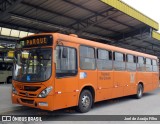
[(139, 91), (85, 101)]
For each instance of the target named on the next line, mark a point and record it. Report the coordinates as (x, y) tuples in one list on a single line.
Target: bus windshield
[(32, 65)]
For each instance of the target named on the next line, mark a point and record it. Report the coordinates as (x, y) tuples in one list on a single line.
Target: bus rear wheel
[(85, 101), (139, 91)]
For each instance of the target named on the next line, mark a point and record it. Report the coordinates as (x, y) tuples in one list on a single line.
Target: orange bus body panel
[(106, 84)]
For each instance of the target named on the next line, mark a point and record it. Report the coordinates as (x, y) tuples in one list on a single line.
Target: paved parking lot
[(5, 99), (148, 105)]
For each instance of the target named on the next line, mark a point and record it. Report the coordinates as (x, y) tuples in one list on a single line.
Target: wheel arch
[(91, 89), (141, 84)]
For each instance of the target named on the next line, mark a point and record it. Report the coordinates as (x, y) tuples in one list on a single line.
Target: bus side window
[(66, 61), (119, 61), (148, 65), (104, 59), (131, 63), (87, 58), (155, 65), (140, 64)]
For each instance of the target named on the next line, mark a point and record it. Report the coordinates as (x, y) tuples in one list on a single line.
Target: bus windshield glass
[(32, 65)]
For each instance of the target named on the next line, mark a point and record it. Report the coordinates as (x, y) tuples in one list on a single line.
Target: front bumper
[(41, 103)]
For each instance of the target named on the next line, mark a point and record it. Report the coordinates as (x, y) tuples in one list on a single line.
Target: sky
[(150, 8)]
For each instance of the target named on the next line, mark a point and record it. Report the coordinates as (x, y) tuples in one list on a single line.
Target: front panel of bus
[(33, 75)]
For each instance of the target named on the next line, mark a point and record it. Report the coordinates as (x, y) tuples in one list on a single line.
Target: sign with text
[(35, 41)]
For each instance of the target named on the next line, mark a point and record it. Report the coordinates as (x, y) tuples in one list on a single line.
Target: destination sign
[(35, 41)]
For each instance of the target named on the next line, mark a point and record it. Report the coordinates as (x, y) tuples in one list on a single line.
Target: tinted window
[(131, 63), (148, 64), (130, 58), (66, 62), (148, 61), (155, 67), (87, 58), (104, 54), (154, 62), (104, 61), (87, 52), (119, 61), (119, 57), (140, 64), (141, 60)]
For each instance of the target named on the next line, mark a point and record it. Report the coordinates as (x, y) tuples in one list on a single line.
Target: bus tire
[(85, 101), (139, 91), (9, 80)]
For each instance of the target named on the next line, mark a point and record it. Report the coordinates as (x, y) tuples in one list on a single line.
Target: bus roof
[(100, 45), (74, 39)]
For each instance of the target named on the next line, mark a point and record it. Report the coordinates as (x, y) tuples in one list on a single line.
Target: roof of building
[(106, 21)]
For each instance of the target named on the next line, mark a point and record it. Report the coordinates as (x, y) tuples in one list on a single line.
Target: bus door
[(88, 72), (66, 77), (105, 74)]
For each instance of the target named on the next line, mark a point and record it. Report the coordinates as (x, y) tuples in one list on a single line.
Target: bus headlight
[(45, 92), (14, 91)]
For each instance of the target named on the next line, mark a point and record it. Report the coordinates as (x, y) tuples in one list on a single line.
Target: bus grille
[(28, 94), (27, 101), (31, 88)]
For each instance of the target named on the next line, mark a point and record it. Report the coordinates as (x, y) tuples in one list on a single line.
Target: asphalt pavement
[(149, 104)]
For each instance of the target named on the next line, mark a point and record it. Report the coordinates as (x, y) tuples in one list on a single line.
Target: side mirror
[(10, 54), (65, 53)]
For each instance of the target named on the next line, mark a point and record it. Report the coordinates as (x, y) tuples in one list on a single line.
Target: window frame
[(134, 58), (72, 75), (156, 62), (95, 58), (104, 59), (148, 64), (143, 60), (155, 65), (124, 56), (105, 50), (124, 60), (146, 61), (134, 62)]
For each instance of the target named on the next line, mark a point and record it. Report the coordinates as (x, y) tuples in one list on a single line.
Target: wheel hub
[(85, 101), (140, 91)]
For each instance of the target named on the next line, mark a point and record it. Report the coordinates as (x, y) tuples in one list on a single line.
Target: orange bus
[(54, 71)]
